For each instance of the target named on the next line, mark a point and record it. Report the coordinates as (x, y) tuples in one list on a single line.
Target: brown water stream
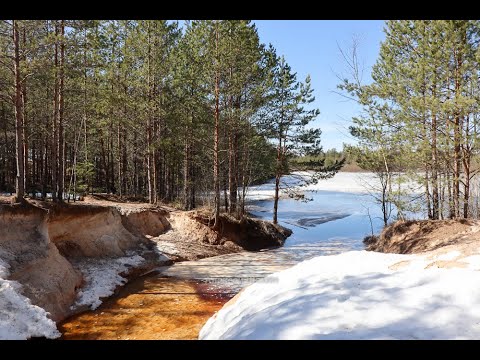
[(150, 307), (176, 301)]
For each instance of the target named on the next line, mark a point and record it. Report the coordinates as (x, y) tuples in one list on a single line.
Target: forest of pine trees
[(146, 109), (421, 114)]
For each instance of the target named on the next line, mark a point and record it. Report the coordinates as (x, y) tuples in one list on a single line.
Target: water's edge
[(175, 301)]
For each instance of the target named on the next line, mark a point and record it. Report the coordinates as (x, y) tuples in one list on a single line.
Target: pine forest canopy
[(421, 115), (147, 109)]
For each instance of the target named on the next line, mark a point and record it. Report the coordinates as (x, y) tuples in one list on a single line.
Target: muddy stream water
[(175, 302)]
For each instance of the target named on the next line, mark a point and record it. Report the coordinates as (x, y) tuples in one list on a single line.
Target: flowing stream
[(174, 302)]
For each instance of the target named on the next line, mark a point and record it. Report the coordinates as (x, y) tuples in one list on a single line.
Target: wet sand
[(149, 308)]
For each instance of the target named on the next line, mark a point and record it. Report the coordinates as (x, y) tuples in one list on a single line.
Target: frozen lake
[(334, 221)]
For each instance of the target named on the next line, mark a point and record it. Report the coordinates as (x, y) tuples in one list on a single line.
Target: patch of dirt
[(191, 236), (399, 265), (90, 231), (48, 279), (447, 264), (414, 236), (250, 234), (6, 199), (445, 243), (41, 239)]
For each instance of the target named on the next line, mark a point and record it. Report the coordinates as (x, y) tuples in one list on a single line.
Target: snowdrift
[(359, 295)]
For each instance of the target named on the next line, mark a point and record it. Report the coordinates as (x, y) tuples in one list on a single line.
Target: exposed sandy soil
[(43, 242), (48, 279), (191, 237), (445, 242), (414, 236)]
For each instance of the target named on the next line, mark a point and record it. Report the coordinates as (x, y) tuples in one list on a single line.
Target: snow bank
[(356, 295), (19, 319), (102, 277)]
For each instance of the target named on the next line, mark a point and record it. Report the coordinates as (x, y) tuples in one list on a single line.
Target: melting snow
[(355, 295), (19, 319), (102, 277)]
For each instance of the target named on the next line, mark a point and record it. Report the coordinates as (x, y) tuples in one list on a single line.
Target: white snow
[(19, 319), (356, 295), (449, 256), (358, 183), (166, 248), (102, 276), (473, 262)]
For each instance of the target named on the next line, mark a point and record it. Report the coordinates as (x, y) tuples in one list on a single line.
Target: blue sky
[(310, 47)]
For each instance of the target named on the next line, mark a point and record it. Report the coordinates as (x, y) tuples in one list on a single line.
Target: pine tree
[(286, 121)]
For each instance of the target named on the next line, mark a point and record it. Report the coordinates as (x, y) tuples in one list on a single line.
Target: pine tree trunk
[(19, 140), (441, 200), (151, 195), (33, 178), (150, 171), (466, 169), (45, 174), (124, 164), (245, 178), (54, 146), (435, 212), (232, 170), (192, 178), (466, 195), (451, 206), (61, 97), (427, 194), (224, 170), (187, 172), (5, 149), (457, 139), (278, 175), (25, 130), (456, 169), (119, 160), (111, 158), (216, 163), (136, 189)]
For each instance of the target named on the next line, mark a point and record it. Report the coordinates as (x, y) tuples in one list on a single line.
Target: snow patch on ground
[(102, 277), (449, 256), (355, 295), (166, 248), (19, 319), (3, 269), (473, 262)]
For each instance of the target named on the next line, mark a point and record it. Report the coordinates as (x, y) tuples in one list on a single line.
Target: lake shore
[(421, 276)]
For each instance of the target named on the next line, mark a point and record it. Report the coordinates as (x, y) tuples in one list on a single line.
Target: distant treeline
[(332, 157)]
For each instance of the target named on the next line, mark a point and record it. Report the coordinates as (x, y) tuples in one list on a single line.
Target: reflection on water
[(332, 223), (348, 213), (149, 308), (230, 273)]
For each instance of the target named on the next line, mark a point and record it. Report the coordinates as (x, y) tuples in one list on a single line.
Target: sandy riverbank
[(58, 260)]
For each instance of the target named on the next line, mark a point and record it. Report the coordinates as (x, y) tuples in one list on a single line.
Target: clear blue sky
[(310, 47)]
